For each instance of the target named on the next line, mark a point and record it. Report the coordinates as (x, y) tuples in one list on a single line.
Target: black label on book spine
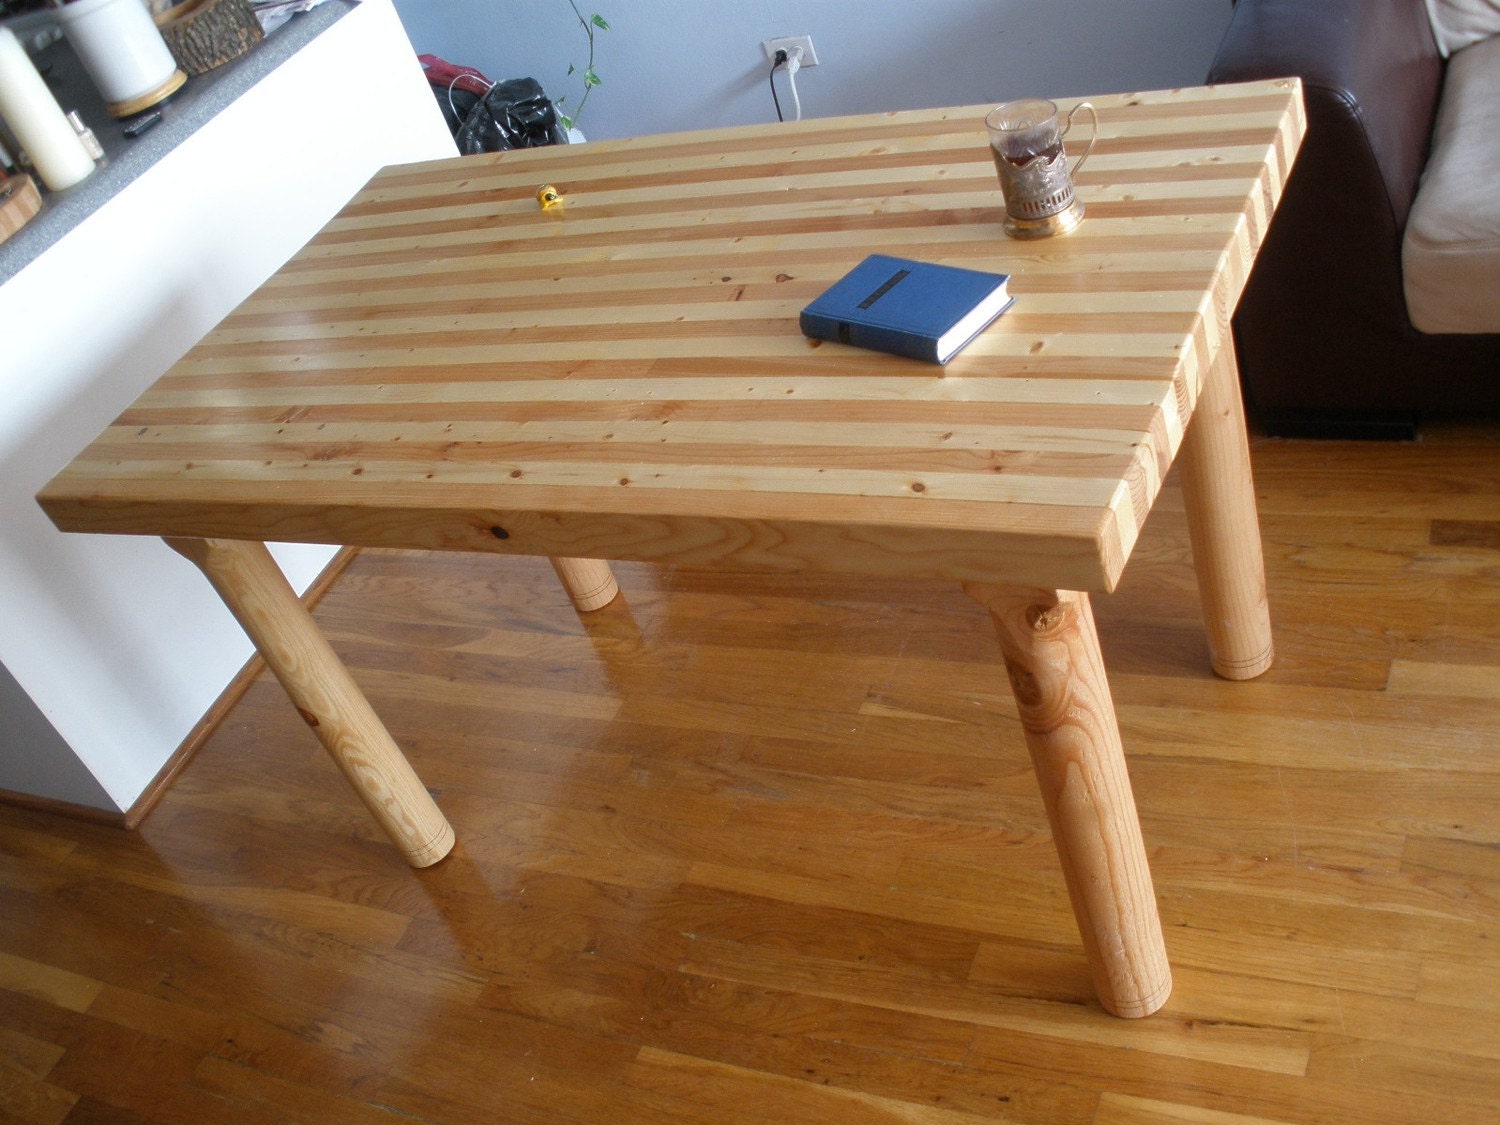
[(890, 283)]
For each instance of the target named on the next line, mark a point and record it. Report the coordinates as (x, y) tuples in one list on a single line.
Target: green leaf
[(571, 68), (590, 78), (567, 122), (599, 21)]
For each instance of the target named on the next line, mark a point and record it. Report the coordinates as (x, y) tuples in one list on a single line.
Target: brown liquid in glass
[(1019, 159)]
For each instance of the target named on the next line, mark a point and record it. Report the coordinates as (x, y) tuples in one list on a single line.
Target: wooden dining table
[(592, 352)]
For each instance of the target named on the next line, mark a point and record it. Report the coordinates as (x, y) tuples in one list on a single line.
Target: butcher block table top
[(449, 365)]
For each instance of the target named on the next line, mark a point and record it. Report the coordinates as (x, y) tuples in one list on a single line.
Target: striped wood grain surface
[(449, 366)]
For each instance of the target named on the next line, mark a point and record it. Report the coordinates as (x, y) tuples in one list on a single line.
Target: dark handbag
[(514, 114)]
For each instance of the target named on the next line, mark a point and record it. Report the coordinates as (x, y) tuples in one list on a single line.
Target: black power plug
[(778, 61)]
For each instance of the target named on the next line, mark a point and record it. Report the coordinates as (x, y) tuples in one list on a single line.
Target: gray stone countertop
[(183, 114)]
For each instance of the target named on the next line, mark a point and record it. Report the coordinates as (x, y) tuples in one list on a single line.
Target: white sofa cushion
[(1458, 23), (1450, 255)]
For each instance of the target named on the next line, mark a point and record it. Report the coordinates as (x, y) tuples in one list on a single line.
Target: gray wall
[(668, 66)]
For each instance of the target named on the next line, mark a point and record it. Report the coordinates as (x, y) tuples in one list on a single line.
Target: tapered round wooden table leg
[(1224, 526), (589, 582), (258, 594), (1052, 654)]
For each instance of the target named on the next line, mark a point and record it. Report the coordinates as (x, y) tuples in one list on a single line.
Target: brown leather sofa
[(1325, 344)]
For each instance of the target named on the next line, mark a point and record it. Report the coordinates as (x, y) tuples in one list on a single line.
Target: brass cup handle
[(1093, 133)]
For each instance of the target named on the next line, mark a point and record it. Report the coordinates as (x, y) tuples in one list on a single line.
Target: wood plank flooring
[(758, 850)]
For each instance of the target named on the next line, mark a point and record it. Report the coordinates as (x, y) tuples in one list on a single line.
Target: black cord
[(775, 65)]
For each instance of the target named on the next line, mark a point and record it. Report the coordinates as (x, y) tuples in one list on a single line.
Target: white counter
[(113, 647)]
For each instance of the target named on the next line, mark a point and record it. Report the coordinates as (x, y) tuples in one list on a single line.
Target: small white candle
[(37, 120)]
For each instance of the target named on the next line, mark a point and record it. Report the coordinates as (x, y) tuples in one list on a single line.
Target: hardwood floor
[(755, 849)]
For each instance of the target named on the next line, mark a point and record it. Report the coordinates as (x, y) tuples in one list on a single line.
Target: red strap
[(446, 75)]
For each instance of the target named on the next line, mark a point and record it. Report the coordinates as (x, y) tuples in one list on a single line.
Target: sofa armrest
[(1371, 72), (1321, 327)]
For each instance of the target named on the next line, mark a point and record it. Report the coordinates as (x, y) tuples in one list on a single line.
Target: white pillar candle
[(37, 120)]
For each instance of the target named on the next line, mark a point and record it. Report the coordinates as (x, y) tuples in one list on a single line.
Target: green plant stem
[(588, 70)]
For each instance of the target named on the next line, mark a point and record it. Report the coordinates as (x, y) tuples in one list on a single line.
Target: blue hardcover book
[(917, 309)]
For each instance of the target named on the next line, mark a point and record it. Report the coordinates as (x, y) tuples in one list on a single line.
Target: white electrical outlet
[(809, 56)]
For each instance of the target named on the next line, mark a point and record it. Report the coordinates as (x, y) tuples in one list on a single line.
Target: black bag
[(514, 114), (458, 89)]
